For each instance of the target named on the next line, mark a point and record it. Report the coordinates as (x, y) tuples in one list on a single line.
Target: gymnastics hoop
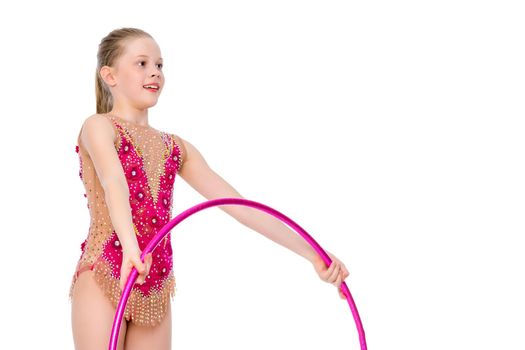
[(113, 341)]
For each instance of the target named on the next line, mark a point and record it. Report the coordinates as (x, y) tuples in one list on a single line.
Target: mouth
[(151, 87)]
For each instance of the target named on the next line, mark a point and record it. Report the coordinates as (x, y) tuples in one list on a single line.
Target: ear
[(106, 73)]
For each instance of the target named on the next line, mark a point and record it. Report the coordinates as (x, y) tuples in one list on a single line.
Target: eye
[(160, 65)]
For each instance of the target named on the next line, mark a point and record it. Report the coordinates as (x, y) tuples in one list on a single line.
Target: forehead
[(142, 47)]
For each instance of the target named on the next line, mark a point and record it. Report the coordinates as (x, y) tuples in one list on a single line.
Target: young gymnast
[(128, 169)]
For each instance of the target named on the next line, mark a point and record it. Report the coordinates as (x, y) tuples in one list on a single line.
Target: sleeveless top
[(150, 160)]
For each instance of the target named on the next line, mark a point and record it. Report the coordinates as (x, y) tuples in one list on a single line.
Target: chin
[(148, 104), (152, 104)]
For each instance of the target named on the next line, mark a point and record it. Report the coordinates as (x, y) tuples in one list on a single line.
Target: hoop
[(228, 201)]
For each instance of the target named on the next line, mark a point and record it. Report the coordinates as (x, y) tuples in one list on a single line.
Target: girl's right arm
[(98, 137)]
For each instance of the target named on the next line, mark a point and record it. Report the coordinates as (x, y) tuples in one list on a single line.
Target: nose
[(156, 72)]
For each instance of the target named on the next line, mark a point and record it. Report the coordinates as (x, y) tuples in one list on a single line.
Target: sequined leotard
[(150, 160)]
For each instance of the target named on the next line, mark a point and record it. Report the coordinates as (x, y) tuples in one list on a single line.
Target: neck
[(132, 115)]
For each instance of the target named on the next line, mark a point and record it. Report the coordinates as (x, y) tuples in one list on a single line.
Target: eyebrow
[(160, 58)]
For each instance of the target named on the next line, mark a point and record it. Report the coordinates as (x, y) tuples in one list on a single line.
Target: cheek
[(133, 84)]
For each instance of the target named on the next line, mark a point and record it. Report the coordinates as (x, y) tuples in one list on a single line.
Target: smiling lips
[(154, 87)]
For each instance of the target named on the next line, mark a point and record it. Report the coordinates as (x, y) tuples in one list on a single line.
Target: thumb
[(148, 260), (139, 265)]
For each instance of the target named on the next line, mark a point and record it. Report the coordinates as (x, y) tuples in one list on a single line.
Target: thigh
[(144, 337), (92, 315)]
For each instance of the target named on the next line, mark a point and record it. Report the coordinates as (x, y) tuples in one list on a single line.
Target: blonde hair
[(110, 49)]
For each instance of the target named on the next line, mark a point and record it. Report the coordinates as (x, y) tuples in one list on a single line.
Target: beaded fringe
[(140, 309)]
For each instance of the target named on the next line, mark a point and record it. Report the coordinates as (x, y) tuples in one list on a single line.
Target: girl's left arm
[(196, 172)]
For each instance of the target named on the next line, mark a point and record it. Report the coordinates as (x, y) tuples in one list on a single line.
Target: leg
[(157, 337), (92, 315)]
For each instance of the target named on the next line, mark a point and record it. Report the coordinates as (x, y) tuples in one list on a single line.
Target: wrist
[(313, 257), (130, 247)]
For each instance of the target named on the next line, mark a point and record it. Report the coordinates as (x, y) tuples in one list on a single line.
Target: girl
[(128, 169)]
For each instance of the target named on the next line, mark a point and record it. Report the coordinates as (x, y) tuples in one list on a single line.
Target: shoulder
[(97, 120), (97, 126)]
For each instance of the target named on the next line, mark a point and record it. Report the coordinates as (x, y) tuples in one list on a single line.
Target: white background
[(392, 131)]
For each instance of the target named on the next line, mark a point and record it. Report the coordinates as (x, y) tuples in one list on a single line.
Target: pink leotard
[(150, 160)]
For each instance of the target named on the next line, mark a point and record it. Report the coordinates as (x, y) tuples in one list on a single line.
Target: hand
[(334, 274), (130, 260)]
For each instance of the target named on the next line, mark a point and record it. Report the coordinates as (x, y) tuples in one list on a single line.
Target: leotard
[(150, 160)]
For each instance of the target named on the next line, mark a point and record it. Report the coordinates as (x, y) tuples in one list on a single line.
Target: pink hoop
[(229, 201)]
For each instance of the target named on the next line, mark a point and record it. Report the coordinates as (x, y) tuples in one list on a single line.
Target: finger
[(335, 273), (345, 270), (330, 271), (146, 265), (331, 277), (337, 280), (342, 295), (139, 265), (331, 268), (150, 262), (140, 279), (148, 269), (341, 275), (124, 272), (142, 276)]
